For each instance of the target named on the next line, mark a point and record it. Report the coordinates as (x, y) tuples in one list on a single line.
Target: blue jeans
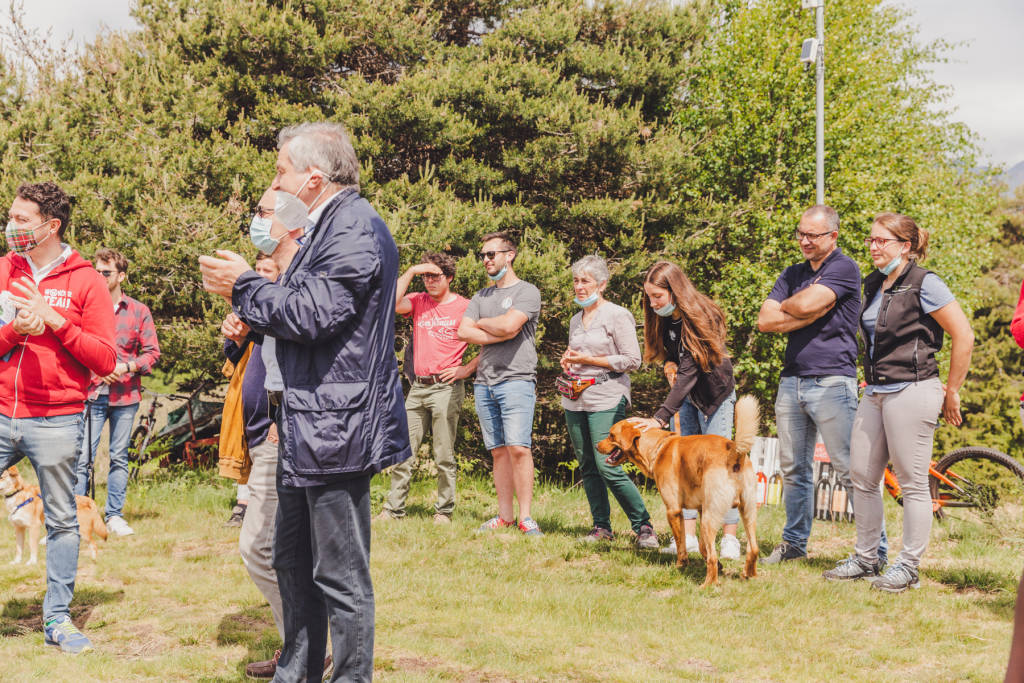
[(50, 444), (322, 557), (692, 421), (121, 420), (805, 407), (506, 412)]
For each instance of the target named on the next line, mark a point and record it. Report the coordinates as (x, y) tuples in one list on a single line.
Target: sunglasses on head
[(489, 255)]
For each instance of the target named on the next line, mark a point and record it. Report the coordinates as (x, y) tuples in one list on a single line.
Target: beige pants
[(256, 539), (897, 427)]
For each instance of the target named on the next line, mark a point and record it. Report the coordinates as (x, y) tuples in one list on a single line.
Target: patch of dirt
[(146, 641), (198, 549), (433, 665)]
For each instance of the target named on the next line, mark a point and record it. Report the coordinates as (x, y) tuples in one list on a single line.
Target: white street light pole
[(819, 88), (814, 53)]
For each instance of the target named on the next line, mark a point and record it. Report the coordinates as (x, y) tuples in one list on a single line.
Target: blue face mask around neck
[(589, 301), (892, 265), (500, 274), (666, 310)]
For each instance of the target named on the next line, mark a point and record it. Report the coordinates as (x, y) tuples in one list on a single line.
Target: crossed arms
[(799, 310), (492, 330)]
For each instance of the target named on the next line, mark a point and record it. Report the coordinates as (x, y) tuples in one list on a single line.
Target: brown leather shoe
[(263, 669)]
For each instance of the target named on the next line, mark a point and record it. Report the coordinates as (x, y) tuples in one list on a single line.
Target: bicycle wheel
[(137, 449), (979, 485)]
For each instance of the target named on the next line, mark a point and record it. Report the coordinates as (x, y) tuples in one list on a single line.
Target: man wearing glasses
[(116, 396), (435, 398), (503, 319), (816, 303)]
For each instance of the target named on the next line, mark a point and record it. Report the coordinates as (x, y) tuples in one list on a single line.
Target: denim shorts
[(506, 412)]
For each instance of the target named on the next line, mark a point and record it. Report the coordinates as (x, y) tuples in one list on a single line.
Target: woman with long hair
[(906, 310), (686, 330)]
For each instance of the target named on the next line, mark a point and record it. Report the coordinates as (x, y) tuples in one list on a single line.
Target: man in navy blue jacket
[(333, 378)]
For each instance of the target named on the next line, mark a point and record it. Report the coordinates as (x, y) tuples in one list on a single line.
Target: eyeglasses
[(107, 273), (489, 255), (880, 241), (432, 276), (800, 235)]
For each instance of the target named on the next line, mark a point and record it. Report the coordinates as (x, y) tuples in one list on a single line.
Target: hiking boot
[(441, 518), (494, 523), (237, 515), (729, 549), (851, 569), (386, 515), (597, 534), (783, 552), (897, 579), (265, 669), (119, 527), (646, 539), (60, 632), (529, 527)]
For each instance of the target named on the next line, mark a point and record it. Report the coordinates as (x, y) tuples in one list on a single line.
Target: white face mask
[(292, 212)]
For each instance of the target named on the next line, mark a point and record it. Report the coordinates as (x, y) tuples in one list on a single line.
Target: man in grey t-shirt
[(503, 320)]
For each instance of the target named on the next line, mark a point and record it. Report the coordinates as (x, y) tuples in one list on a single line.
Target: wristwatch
[(664, 425)]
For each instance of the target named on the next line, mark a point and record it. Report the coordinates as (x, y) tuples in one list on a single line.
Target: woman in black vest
[(905, 311)]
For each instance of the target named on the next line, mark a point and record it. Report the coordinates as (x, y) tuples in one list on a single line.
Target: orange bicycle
[(972, 483)]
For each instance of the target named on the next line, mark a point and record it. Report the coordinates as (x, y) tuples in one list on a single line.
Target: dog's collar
[(12, 493), (23, 504)]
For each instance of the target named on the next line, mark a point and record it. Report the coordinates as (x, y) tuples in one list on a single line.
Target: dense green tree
[(639, 130), (991, 395)]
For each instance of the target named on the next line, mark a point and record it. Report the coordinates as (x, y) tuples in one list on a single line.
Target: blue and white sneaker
[(60, 632)]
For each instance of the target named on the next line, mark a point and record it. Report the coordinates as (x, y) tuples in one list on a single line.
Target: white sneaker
[(692, 546), (729, 548), (119, 527)]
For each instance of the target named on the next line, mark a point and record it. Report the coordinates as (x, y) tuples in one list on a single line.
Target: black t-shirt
[(828, 346)]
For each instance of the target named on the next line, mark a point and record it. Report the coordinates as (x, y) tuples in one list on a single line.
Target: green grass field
[(174, 603)]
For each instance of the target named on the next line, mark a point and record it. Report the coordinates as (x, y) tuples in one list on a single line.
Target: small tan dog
[(25, 510)]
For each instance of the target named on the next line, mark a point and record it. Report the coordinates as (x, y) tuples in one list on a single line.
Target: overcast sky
[(987, 74)]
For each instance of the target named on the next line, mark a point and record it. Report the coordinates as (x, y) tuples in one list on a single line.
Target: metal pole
[(819, 87)]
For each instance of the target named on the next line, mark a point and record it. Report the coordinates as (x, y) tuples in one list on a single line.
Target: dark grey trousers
[(322, 558)]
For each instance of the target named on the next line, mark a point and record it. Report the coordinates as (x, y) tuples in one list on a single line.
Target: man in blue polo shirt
[(817, 304)]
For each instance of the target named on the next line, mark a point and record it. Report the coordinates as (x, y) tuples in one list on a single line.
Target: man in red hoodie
[(56, 327)]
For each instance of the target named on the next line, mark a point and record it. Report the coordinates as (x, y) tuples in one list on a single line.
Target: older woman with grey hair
[(602, 349)]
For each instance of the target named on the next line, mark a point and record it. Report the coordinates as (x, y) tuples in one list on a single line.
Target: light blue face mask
[(892, 265), (259, 233), (500, 274), (666, 310), (589, 301)]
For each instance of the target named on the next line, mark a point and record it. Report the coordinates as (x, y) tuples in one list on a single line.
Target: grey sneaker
[(783, 552), (646, 539), (597, 534), (897, 579), (851, 569)]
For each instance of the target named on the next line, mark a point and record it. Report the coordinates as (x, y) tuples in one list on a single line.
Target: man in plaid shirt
[(116, 397)]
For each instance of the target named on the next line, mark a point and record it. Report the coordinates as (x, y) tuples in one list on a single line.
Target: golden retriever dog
[(706, 472), (25, 510)]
